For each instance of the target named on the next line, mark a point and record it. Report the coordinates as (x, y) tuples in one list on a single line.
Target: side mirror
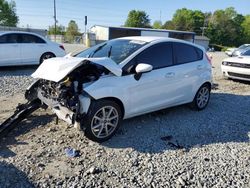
[(142, 68)]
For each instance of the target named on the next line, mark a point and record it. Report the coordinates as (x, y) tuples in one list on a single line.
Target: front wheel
[(201, 98), (102, 120)]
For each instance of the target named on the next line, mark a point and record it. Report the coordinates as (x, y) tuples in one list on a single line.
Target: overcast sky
[(39, 13)]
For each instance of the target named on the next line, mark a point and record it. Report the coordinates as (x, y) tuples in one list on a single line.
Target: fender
[(110, 86)]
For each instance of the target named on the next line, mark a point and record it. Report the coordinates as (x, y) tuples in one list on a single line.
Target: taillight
[(209, 58), (62, 47)]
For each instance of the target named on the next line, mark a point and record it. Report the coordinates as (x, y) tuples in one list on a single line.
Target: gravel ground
[(175, 147)]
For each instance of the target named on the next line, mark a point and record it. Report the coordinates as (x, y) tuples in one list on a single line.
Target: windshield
[(246, 52), (117, 50), (243, 46)]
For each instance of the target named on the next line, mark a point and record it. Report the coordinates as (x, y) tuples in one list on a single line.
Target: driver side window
[(158, 55)]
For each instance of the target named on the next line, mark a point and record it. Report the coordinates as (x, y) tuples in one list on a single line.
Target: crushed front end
[(67, 97)]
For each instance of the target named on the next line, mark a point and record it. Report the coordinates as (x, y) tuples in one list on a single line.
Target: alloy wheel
[(203, 97), (104, 122)]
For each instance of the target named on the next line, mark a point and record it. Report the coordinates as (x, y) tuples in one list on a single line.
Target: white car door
[(156, 89), (9, 50), (32, 48), (189, 65)]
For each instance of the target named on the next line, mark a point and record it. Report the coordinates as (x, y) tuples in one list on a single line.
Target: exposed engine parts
[(63, 97), (66, 92)]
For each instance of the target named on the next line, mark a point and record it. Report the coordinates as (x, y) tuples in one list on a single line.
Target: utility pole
[(85, 24), (204, 26), (160, 15), (55, 18), (203, 30)]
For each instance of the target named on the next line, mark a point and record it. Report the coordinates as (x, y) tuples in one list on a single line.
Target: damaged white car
[(122, 78)]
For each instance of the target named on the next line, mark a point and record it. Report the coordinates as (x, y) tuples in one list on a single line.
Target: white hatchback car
[(236, 68), (120, 79), (25, 48)]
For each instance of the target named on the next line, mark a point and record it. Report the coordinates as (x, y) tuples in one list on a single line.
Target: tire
[(201, 98), (46, 55), (100, 128)]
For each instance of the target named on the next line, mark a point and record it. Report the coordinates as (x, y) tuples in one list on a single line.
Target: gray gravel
[(14, 81), (175, 147), (12, 177)]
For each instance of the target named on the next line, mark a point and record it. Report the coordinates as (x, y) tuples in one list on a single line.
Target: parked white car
[(25, 48), (120, 79), (230, 51), (240, 49), (236, 68)]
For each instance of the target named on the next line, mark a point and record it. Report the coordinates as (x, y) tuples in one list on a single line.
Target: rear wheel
[(46, 55), (102, 120), (201, 98)]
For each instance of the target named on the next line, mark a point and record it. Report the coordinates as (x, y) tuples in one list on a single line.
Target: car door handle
[(169, 74), (199, 67)]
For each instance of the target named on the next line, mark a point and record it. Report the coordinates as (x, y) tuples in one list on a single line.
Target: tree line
[(69, 32), (223, 27)]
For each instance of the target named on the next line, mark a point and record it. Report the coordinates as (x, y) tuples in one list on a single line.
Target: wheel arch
[(207, 83), (117, 101), (48, 52), (197, 89)]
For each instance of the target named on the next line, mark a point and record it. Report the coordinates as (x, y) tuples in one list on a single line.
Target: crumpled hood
[(238, 59), (55, 69)]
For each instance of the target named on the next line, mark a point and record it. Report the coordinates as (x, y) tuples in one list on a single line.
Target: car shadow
[(24, 127), (226, 119), (10, 176)]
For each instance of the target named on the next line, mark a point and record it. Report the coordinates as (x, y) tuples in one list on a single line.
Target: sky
[(39, 13)]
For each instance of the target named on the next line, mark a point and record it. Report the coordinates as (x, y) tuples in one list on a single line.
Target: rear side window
[(159, 56), (26, 38), (185, 53), (9, 38), (3, 39)]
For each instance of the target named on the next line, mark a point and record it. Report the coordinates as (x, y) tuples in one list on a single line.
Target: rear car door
[(155, 89), (10, 49), (188, 66), (32, 48)]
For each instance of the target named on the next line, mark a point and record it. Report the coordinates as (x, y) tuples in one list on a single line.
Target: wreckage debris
[(22, 111), (71, 152)]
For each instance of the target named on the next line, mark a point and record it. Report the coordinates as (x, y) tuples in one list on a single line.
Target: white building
[(104, 33)]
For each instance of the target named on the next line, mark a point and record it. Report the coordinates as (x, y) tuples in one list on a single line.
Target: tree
[(182, 20), (187, 20), (246, 28), (197, 21), (72, 31), (137, 18), (168, 25), (60, 30), (225, 28), (157, 24), (8, 15)]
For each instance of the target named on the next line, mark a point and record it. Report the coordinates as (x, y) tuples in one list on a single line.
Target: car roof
[(19, 32), (150, 39)]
